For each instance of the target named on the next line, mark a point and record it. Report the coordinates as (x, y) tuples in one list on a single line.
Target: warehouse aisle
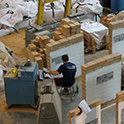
[(27, 115)]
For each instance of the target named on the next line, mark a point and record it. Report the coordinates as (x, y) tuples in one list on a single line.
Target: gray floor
[(13, 117), (18, 116)]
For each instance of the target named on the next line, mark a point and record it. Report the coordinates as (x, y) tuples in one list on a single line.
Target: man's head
[(65, 58)]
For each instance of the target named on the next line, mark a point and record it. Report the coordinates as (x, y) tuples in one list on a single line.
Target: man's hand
[(54, 72)]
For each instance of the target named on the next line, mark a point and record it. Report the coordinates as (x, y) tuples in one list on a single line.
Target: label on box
[(19, 74)]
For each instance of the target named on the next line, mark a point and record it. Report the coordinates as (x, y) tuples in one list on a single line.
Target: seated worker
[(68, 71)]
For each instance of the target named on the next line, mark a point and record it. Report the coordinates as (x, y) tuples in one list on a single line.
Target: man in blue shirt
[(68, 71)]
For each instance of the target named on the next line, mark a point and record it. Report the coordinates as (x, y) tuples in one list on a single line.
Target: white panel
[(75, 53), (73, 121), (94, 115), (121, 113), (106, 90), (118, 41)]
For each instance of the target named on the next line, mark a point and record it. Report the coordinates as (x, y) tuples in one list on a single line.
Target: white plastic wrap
[(25, 23), (88, 7), (72, 2), (12, 14), (11, 3), (1, 80), (5, 61), (11, 62), (1, 74), (11, 19), (96, 30), (6, 31), (29, 9)]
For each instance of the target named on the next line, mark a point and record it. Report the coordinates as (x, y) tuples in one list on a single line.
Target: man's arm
[(54, 72), (58, 71)]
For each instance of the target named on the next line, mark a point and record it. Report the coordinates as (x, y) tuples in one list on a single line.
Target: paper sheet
[(41, 74), (84, 106)]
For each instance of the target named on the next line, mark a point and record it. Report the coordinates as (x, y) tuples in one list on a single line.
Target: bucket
[(117, 5)]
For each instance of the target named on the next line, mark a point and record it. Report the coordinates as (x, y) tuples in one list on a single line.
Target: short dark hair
[(65, 58)]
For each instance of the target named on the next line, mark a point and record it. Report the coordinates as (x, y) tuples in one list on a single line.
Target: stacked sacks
[(15, 15)]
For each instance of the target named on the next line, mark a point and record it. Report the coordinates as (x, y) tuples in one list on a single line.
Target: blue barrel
[(117, 5)]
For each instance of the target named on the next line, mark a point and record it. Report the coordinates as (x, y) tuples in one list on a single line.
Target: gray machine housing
[(49, 111), (22, 89)]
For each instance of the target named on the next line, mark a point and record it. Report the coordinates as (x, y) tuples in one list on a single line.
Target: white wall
[(106, 90), (75, 53), (94, 114), (118, 44), (120, 113)]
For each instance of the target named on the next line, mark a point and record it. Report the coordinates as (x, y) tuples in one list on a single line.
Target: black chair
[(67, 91)]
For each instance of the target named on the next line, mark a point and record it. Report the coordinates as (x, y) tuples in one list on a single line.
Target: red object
[(58, 81)]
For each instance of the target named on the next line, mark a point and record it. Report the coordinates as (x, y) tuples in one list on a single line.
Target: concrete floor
[(22, 117), (27, 115)]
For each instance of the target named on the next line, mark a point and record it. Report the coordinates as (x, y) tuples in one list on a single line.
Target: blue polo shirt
[(68, 70)]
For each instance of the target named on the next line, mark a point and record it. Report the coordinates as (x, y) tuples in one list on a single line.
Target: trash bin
[(117, 5)]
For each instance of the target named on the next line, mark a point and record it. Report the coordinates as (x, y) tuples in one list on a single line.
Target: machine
[(22, 87), (49, 111)]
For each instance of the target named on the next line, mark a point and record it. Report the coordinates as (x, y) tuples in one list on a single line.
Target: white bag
[(72, 2), (6, 31), (29, 9), (95, 6), (1, 80), (14, 14), (1, 74), (11, 62), (11, 19), (11, 3), (88, 7), (48, 12), (25, 23), (96, 30)]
